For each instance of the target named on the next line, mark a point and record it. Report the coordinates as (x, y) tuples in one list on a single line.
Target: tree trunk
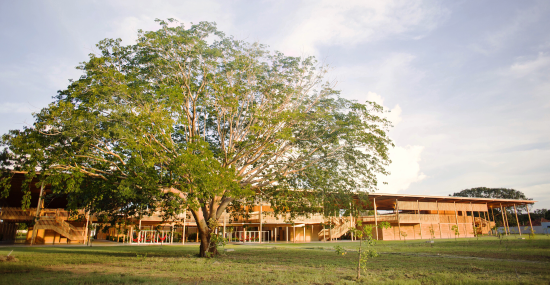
[(207, 249), (359, 261), (202, 217)]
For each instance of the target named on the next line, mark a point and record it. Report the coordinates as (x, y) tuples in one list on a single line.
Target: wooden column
[(304, 233), (375, 217), (183, 230), (439, 219), (260, 239), (86, 229), (473, 219), (456, 215), (398, 221), (294, 233), (419, 218), (38, 208), (517, 220), (172, 234), (330, 230), (275, 236), (486, 221), (503, 222), (494, 220), (286, 232), (350, 221), (529, 215), (507, 223)]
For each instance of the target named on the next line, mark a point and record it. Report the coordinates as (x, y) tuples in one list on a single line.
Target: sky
[(467, 82)]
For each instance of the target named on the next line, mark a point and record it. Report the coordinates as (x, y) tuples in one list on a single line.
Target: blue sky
[(468, 82)]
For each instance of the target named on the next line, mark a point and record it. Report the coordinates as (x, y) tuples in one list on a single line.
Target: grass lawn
[(466, 261)]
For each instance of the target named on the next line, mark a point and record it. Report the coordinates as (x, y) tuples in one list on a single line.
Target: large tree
[(192, 118)]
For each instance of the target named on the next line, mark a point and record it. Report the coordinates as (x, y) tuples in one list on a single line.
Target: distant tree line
[(505, 193)]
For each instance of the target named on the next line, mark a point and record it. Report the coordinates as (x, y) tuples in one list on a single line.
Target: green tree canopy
[(192, 118), (496, 193)]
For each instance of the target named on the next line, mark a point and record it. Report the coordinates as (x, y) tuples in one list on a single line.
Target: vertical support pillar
[(172, 234), (330, 229), (456, 215), (294, 233), (131, 235), (488, 219), (86, 229), (494, 220), (398, 221), (261, 236), (286, 231), (473, 219), (375, 217), (439, 219), (507, 222), (529, 215), (38, 207), (485, 218), (502, 210), (350, 221), (140, 232), (183, 230), (517, 220), (304, 233), (419, 218)]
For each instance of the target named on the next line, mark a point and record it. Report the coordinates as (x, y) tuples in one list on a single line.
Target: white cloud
[(531, 67), (404, 169), (353, 22), (394, 115), (405, 166)]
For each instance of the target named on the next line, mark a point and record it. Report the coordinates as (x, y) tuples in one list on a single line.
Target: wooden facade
[(410, 217)]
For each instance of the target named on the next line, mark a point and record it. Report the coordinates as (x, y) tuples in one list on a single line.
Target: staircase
[(483, 226), (340, 227), (60, 226)]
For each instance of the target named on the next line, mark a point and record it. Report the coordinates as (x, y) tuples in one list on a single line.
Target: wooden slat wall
[(413, 205), (428, 206), (407, 205)]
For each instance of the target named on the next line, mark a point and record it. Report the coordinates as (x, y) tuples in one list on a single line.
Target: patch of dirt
[(10, 258)]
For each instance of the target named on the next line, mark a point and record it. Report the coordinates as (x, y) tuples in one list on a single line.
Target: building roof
[(386, 201)]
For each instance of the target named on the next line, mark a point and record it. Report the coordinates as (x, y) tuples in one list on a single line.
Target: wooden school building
[(410, 217)]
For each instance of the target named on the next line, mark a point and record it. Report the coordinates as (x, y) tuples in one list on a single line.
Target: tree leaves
[(194, 118)]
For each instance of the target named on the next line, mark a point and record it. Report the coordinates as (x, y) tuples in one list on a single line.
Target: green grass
[(466, 261)]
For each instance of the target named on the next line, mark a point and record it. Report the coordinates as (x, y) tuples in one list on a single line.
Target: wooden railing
[(380, 218), (341, 226), (13, 213)]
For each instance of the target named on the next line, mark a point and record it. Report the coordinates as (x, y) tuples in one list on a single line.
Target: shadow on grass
[(13, 274)]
